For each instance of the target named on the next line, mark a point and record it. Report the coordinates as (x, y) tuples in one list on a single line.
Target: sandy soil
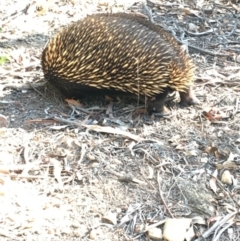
[(102, 169)]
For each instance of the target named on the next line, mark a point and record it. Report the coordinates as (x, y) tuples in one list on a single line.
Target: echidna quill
[(111, 53)]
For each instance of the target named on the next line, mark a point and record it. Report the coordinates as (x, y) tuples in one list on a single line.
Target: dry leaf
[(213, 151), (151, 172), (180, 147), (188, 11), (75, 103), (199, 220), (214, 114), (110, 218), (213, 181), (229, 164), (41, 121), (108, 98), (57, 128), (191, 153), (213, 219), (230, 158), (57, 169)]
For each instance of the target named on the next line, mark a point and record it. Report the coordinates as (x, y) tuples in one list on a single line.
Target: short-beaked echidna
[(118, 53)]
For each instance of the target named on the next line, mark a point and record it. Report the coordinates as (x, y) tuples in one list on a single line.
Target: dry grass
[(62, 169)]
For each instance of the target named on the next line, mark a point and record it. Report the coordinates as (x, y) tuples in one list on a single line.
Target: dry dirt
[(103, 170)]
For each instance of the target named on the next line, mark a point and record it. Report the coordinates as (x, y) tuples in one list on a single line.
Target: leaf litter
[(103, 169)]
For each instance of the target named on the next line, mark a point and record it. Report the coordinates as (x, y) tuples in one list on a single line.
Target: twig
[(33, 87), (104, 129), (125, 178), (154, 225), (76, 123), (24, 86), (83, 152), (15, 15), (23, 176), (7, 234), (148, 11), (236, 108), (110, 130), (219, 222), (21, 86), (206, 51), (161, 196), (199, 34), (222, 230)]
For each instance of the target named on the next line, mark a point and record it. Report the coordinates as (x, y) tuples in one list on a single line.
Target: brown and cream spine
[(118, 52)]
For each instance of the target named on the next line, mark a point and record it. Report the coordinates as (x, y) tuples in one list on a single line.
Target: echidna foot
[(157, 104), (188, 98)]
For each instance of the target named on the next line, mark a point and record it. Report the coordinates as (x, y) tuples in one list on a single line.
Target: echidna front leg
[(188, 97), (157, 104)]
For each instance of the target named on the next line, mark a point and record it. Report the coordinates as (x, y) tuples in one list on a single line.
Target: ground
[(106, 170)]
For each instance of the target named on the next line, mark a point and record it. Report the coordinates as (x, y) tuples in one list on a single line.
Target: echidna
[(118, 53)]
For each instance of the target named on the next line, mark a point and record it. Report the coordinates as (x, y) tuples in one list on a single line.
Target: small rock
[(110, 218), (192, 27), (227, 178), (95, 234), (176, 229), (91, 157), (191, 153), (95, 165), (155, 233), (3, 121), (77, 234), (75, 224), (238, 59), (56, 202)]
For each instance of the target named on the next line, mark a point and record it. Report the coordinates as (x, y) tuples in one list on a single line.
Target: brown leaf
[(140, 111), (108, 98), (213, 151), (190, 12), (75, 103), (214, 114)]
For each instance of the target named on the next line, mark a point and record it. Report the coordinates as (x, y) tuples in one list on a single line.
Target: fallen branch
[(104, 129)]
